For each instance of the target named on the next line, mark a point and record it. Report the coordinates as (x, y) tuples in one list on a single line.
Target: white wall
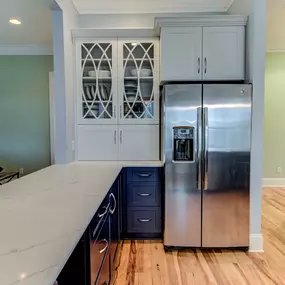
[(64, 20)]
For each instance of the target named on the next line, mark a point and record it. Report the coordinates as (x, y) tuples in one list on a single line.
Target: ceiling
[(36, 28), (150, 6)]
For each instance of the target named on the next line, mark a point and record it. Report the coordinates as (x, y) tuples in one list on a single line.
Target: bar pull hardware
[(121, 113), (144, 174), (115, 203), (121, 137), (144, 194), (115, 137), (115, 111), (106, 246), (199, 147), (199, 65), (206, 65), (105, 212), (144, 220), (206, 143)]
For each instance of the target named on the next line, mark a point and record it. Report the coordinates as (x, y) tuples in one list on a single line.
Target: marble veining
[(43, 215)]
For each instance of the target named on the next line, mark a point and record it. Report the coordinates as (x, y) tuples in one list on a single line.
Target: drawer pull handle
[(112, 211), (144, 174), (143, 194), (144, 220), (105, 212), (106, 246)]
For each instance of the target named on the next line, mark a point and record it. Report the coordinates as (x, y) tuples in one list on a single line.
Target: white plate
[(131, 86), (131, 93)]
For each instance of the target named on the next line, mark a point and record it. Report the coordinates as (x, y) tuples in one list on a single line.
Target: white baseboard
[(256, 243), (273, 182)]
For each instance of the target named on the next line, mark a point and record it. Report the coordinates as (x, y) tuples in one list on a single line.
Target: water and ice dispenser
[(183, 146)]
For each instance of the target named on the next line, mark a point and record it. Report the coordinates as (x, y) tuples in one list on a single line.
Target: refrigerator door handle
[(199, 148), (206, 146)]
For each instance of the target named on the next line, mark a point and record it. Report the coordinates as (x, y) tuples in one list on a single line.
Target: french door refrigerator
[(206, 138)]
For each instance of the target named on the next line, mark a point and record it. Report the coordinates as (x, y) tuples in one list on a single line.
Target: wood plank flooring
[(146, 263)]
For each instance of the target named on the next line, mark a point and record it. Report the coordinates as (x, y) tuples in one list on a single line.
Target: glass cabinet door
[(138, 82), (98, 73)]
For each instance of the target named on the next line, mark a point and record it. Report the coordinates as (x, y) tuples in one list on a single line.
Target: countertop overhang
[(43, 215)]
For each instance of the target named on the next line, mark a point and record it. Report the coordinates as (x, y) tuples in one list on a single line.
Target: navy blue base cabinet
[(142, 203), (132, 209), (94, 259)]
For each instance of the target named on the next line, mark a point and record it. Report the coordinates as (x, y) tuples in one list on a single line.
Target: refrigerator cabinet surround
[(207, 195)]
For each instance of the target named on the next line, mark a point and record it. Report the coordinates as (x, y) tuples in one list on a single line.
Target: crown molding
[(150, 6), (200, 21), (26, 50), (112, 33)]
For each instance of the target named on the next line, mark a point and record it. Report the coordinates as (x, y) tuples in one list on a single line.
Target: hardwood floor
[(146, 263)]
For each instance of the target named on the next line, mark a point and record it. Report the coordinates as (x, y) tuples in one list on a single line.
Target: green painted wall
[(24, 112), (274, 135)]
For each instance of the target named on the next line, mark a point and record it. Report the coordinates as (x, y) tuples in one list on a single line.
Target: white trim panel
[(200, 21), (26, 50), (273, 182), (110, 33), (149, 6), (256, 243), (52, 117)]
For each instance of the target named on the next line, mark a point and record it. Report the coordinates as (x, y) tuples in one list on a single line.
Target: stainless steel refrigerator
[(206, 141)]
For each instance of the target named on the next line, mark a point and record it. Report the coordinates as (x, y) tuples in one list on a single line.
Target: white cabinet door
[(97, 142), (138, 81), (139, 142), (224, 53), (96, 67), (181, 53)]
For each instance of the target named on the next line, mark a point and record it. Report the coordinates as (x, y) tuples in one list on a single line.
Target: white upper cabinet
[(224, 53), (181, 53), (118, 81), (97, 82), (194, 49), (138, 78)]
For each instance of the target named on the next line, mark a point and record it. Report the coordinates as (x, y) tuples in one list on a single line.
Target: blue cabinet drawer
[(143, 194), (150, 174), (144, 220)]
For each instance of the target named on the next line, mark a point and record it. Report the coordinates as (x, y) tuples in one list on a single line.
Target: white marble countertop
[(43, 215)]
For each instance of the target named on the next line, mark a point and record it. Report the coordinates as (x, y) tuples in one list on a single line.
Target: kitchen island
[(44, 215)]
